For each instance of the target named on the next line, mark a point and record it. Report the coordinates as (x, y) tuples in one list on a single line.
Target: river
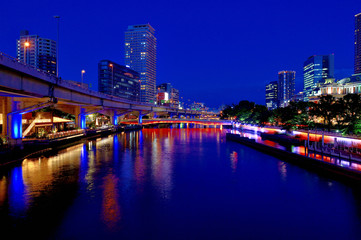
[(179, 183)]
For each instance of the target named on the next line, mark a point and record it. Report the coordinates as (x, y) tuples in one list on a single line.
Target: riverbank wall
[(323, 167)]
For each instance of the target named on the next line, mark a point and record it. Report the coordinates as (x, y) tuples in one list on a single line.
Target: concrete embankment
[(325, 168)]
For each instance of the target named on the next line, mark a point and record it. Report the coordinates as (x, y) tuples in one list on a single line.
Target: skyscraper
[(272, 95), (316, 69), (118, 80), (36, 51), (286, 87), (141, 56), (358, 43)]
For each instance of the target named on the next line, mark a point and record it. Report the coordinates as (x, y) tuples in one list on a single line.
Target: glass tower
[(358, 43), (141, 56), (316, 69), (36, 51), (118, 80), (286, 86)]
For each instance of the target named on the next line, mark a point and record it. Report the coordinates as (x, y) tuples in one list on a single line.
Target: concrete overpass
[(24, 88)]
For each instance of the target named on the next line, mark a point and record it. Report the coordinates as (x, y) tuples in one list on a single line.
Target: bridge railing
[(16, 60)]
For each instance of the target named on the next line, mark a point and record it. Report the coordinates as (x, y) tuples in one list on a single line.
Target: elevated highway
[(24, 89)]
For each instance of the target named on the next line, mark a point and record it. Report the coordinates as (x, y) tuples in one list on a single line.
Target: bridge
[(204, 122), (25, 89)]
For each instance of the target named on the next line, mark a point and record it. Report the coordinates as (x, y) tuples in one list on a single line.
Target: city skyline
[(194, 52)]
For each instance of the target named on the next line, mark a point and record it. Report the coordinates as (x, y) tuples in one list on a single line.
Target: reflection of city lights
[(234, 160), (111, 208)]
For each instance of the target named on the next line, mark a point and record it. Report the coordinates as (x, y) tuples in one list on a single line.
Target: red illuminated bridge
[(205, 122)]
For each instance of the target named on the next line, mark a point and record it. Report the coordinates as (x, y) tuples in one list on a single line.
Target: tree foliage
[(329, 113)]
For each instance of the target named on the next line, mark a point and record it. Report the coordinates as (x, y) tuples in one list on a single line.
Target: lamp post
[(26, 45), (82, 76), (111, 65), (57, 46)]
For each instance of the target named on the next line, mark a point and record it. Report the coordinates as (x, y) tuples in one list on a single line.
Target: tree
[(324, 109)]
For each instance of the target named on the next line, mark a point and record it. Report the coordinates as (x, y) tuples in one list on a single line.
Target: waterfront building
[(358, 43), (272, 95), (118, 80), (338, 89), (286, 87), (37, 51), (141, 56), (316, 69)]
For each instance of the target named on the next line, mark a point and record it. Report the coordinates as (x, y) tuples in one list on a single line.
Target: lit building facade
[(118, 80), (316, 69), (358, 43), (167, 95), (272, 95), (338, 89), (286, 87), (36, 51), (141, 56)]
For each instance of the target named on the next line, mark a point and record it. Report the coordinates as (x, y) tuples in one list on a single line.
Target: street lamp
[(57, 46), (26, 45), (82, 76), (111, 65)]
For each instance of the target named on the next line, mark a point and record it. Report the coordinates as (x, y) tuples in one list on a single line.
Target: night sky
[(217, 52)]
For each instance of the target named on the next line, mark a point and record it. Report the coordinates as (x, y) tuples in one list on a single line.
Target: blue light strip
[(16, 126)]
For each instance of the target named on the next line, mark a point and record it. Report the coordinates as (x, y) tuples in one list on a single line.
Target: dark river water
[(172, 184)]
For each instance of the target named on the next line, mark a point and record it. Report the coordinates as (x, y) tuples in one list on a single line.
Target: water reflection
[(234, 160), (18, 193), (111, 209), (158, 183), (282, 168)]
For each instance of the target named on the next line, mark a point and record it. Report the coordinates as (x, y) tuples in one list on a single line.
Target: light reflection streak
[(234, 160), (111, 210), (162, 165), (282, 169), (18, 193)]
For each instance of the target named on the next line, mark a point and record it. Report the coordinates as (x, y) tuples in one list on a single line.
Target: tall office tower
[(358, 43), (316, 69), (286, 87), (118, 80), (272, 95), (36, 51), (141, 56)]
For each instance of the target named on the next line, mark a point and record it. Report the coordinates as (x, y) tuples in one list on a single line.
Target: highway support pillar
[(13, 122), (114, 118), (80, 117), (140, 118)]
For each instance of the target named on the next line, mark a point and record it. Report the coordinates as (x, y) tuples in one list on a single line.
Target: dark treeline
[(328, 113)]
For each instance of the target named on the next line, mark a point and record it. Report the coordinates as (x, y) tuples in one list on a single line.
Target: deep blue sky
[(217, 52)]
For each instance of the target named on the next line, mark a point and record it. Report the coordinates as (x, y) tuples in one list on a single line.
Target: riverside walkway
[(330, 152)]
